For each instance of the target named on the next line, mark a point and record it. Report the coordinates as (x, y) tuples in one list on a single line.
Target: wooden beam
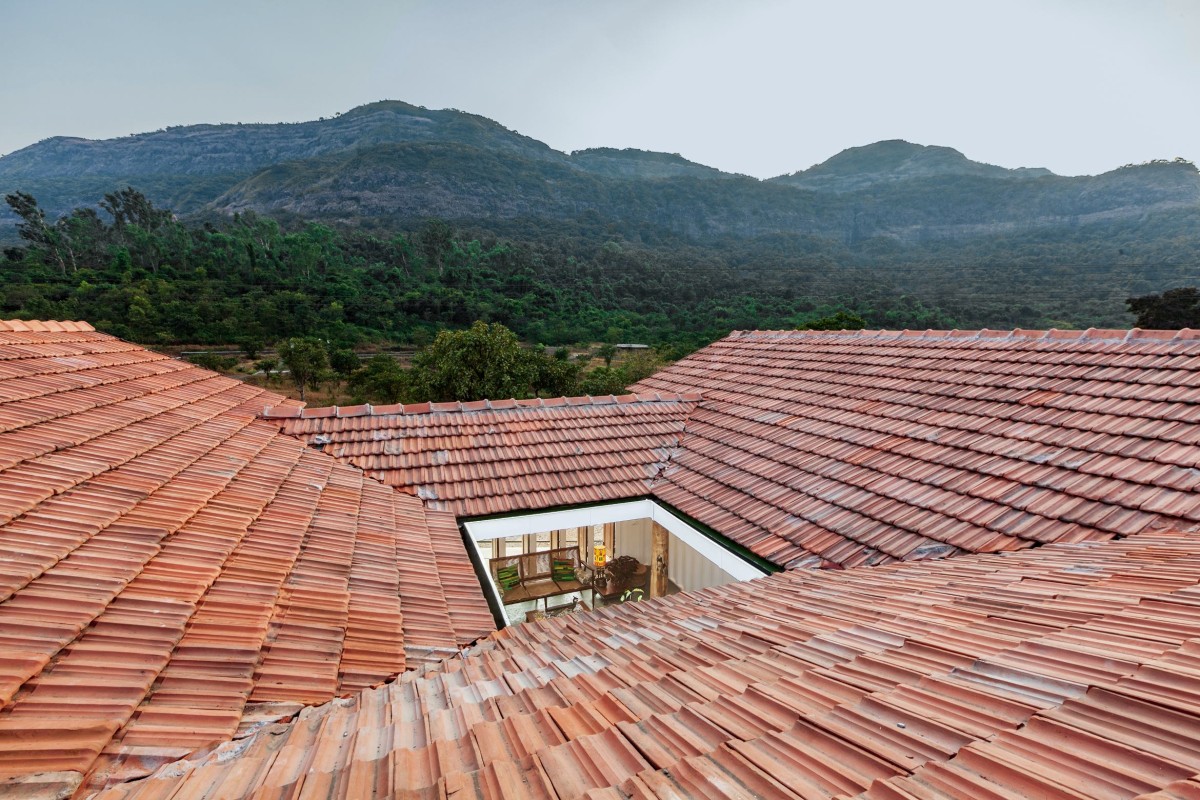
[(659, 559)]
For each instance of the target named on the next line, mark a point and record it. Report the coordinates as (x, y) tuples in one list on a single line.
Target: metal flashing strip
[(491, 593)]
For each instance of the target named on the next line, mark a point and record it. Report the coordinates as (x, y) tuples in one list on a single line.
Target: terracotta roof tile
[(845, 447), (177, 572), (23, 326), (967, 426), (173, 569), (958, 678), (489, 457)]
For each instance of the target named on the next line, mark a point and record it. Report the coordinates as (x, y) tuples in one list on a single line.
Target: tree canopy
[(306, 359), (841, 321), (1171, 310), (381, 380), (483, 361), (135, 271)]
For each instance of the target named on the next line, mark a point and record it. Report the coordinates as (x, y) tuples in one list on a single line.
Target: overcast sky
[(762, 87)]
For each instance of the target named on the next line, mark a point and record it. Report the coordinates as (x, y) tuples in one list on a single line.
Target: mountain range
[(391, 163)]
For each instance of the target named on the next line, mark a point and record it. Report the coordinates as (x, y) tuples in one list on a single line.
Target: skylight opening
[(577, 560)]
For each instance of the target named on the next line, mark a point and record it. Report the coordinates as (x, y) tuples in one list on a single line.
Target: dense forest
[(315, 293), (136, 271)]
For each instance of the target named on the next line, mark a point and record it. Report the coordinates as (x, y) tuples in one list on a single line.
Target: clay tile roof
[(1068, 671), (174, 570), (861, 447), (851, 447), (25, 326), (490, 457), (282, 412)]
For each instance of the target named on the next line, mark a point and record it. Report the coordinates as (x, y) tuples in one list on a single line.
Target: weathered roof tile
[(959, 678), (487, 457), (170, 565), (970, 404)]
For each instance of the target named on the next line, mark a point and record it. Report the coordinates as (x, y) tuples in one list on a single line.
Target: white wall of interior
[(632, 538), (686, 567)]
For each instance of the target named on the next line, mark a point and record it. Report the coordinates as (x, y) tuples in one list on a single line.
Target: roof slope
[(482, 458), (172, 568), (833, 447), (1070, 671), (863, 447)]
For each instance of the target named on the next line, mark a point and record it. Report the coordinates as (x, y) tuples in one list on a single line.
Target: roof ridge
[(44, 326), (1050, 334), (456, 406)]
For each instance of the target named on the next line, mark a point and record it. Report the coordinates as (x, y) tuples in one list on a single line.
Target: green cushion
[(562, 570), (508, 577)]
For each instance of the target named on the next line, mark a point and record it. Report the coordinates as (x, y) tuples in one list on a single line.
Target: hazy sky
[(754, 86)]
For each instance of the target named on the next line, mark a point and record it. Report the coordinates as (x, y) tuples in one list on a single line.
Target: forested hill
[(900, 233), (404, 183), (185, 167), (394, 164), (894, 161), (240, 149)]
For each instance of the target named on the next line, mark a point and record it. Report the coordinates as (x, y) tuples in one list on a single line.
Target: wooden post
[(659, 555)]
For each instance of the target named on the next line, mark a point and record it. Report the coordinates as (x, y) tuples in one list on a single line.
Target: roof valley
[(375, 637)]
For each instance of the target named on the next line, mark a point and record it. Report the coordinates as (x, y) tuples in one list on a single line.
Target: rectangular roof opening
[(518, 555)]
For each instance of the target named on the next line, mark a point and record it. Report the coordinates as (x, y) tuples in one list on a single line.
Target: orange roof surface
[(481, 458), (850, 448), (1069, 671), (864, 447), (177, 573), (173, 569)]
